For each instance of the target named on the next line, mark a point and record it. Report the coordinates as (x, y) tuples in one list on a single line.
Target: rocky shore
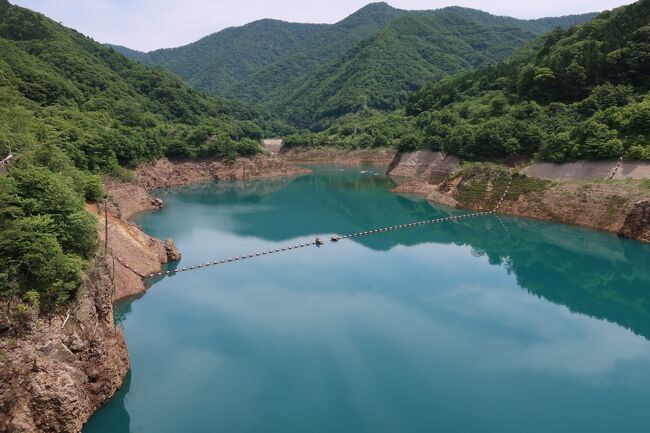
[(380, 157), (62, 369), (165, 173), (56, 375), (617, 200)]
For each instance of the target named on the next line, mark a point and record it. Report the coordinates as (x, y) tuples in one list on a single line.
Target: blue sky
[(151, 24)]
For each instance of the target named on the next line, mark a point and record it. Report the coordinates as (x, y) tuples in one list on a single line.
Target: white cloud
[(151, 24)]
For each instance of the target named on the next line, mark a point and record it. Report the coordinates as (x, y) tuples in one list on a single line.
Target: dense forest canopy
[(582, 93), (578, 93), (241, 51), (312, 74), (71, 110)]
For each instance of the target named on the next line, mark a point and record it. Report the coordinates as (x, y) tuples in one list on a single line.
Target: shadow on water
[(331, 198)]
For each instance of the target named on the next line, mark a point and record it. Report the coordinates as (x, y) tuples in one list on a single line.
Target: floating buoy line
[(334, 239)]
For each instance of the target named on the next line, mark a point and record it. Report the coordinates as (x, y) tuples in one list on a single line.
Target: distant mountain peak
[(377, 6), (303, 71), (379, 12)]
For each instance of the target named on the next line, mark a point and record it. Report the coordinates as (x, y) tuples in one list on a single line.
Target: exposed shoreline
[(94, 364), (332, 155), (617, 203), (56, 377), (141, 254)]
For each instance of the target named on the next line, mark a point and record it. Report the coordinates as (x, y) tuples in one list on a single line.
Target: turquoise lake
[(482, 325)]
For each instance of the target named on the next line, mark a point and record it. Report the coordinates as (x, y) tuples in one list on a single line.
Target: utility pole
[(106, 224)]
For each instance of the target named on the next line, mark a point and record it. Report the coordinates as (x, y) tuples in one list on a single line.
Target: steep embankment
[(54, 377), (616, 200), (135, 253), (165, 173), (61, 370), (58, 372), (333, 155)]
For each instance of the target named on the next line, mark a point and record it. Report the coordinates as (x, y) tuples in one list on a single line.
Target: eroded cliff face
[(56, 375), (618, 206), (132, 254), (423, 166), (165, 173), (593, 205), (380, 157), (637, 222)]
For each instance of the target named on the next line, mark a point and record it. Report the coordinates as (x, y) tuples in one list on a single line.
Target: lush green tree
[(32, 253)]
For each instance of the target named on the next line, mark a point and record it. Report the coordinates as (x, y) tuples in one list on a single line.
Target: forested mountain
[(273, 58), (381, 71), (241, 51), (371, 59), (583, 93), (128, 52), (71, 109), (575, 93)]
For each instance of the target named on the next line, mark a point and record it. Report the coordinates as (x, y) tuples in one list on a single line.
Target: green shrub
[(94, 190)]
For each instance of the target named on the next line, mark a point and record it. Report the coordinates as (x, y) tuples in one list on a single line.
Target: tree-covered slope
[(250, 61), (371, 59), (215, 63), (381, 71), (102, 107), (70, 110), (128, 52), (272, 84), (582, 93)]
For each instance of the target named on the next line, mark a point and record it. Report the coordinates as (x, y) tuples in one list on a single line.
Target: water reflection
[(417, 330), (591, 273)]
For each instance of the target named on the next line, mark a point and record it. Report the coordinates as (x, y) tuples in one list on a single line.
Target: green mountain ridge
[(381, 71), (70, 111), (582, 94), (577, 93), (340, 68), (243, 51)]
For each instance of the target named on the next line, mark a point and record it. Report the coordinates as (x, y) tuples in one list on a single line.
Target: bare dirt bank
[(585, 170), (618, 206), (132, 252), (381, 157), (165, 173)]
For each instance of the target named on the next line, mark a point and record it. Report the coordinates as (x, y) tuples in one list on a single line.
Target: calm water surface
[(477, 326)]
